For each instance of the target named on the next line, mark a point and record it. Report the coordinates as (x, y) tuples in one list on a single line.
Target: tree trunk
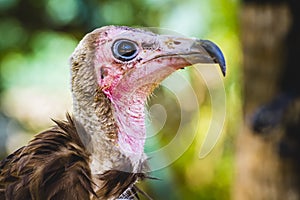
[(268, 146)]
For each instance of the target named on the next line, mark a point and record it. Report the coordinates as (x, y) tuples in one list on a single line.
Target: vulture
[(98, 151)]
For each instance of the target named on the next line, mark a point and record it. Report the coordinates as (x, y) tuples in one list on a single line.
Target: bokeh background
[(37, 38)]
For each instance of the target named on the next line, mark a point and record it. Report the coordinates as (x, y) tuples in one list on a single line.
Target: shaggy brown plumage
[(55, 165)]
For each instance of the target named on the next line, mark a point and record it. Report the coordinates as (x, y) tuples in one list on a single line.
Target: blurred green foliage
[(37, 38)]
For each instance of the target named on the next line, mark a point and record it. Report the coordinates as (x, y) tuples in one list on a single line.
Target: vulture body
[(98, 153)]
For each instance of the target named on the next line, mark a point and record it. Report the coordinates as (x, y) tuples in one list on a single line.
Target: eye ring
[(124, 50)]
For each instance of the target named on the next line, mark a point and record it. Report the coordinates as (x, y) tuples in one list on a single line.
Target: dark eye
[(125, 50)]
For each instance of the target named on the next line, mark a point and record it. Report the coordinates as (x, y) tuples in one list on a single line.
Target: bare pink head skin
[(126, 66)]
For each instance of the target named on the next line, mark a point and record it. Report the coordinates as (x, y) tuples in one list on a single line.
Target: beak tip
[(215, 52), (223, 70)]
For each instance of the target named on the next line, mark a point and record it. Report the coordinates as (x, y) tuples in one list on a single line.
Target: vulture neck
[(112, 129), (96, 128)]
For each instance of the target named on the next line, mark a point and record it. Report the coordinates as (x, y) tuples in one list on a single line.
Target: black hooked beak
[(215, 52)]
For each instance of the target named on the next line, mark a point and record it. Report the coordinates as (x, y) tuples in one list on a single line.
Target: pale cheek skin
[(128, 93)]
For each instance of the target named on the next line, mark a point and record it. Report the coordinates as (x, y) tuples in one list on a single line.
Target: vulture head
[(114, 70)]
